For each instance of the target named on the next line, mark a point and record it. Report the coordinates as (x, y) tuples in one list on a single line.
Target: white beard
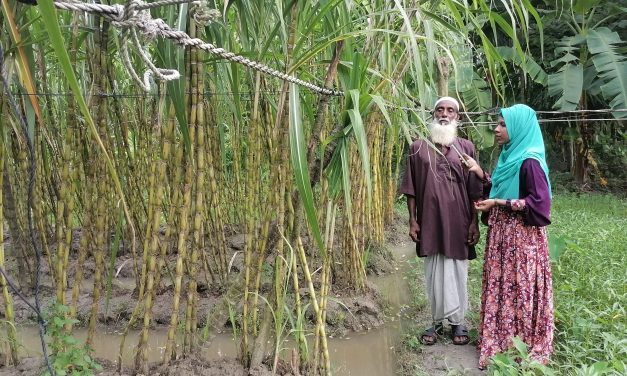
[(443, 134)]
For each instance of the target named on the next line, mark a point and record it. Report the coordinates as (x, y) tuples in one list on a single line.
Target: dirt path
[(447, 359), (443, 358)]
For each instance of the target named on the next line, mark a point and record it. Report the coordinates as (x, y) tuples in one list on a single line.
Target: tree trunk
[(582, 144), (443, 70)]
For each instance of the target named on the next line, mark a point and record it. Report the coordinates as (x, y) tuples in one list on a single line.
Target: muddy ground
[(189, 366), (346, 314)]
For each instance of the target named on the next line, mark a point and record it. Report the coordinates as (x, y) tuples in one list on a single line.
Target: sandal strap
[(439, 328), (460, 331), (431, 332)]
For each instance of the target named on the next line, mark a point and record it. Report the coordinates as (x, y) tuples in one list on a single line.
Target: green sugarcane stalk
[(8, 299), (320, 326), (103, 190)]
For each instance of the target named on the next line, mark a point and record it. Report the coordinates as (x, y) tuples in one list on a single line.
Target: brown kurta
[(444, 192)]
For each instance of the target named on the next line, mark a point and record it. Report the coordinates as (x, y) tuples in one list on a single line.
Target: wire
[(17, 292), (491, 123), (29, 207), (250, 93), (494, 111), (601, 111)]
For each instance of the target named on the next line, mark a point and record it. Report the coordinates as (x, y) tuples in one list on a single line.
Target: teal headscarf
[(525, 141)]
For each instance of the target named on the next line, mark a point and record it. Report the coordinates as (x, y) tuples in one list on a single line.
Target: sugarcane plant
[(164, 177)]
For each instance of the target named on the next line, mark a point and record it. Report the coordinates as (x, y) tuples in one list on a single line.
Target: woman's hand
[(485, 205), (471, 165)]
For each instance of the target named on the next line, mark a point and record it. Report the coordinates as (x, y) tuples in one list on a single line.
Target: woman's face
[(500, 132)]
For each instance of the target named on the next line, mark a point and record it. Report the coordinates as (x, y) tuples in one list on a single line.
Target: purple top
[(534, 189), (443, 190)]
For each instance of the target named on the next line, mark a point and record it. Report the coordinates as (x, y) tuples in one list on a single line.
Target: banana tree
[(591, 66)]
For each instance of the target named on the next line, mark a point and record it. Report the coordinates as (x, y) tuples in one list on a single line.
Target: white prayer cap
[(450, 99)]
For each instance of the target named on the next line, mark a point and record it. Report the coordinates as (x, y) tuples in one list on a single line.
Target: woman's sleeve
[(534, 190)]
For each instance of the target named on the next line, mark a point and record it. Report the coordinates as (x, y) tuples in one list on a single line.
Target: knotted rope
[(134, 18)]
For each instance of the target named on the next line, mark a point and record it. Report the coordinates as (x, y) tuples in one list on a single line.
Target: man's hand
[(473, 234), (414, 231)]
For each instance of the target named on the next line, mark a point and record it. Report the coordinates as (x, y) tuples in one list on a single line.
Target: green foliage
[(517, 361), (567, 84), (69, 356), (611, 155), (589, 285), (478, 98), (300, 167), (412, 341), (590, 61), (611, 66), (556, 246), (528, 64), (590, 300)]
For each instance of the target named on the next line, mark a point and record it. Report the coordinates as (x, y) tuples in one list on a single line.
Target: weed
[(69, 357), (517, 361)]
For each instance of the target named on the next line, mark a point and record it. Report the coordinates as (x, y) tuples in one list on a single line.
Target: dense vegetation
[(164, 176), (588, 251)]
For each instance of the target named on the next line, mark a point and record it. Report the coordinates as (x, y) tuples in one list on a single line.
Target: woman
[(517, 295)]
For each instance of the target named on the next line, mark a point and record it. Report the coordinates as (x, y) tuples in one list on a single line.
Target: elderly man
[(442, 219)]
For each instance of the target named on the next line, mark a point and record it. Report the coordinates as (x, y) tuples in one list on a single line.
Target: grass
[(590, 283), (589, 286)]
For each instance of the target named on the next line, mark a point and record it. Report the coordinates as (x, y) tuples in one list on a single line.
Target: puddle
[(372, 353)]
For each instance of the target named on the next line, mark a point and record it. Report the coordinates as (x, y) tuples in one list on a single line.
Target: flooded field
[(369, 353)]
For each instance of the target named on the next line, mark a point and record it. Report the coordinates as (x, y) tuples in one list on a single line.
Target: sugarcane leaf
[(362, 141), (378, 100), (528, 64), (346, 184), (300, 167), (24, 66), (530, 8), (171, 56), (334, 171), (114, 254)]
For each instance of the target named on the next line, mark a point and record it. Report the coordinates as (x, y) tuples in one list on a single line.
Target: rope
[(135, 16)]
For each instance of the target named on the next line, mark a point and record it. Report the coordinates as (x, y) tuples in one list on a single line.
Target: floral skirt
[(517, 294)]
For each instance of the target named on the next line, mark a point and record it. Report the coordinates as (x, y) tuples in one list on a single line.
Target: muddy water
[(371, 353)]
